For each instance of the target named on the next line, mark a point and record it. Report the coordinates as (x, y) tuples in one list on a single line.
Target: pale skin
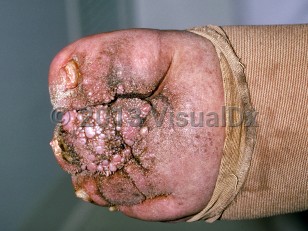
[(174, 176)]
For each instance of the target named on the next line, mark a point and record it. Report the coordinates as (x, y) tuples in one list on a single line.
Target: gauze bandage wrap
[(264, 166)]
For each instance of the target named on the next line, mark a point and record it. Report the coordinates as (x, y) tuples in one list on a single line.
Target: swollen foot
[(101, 139), (118, 152)]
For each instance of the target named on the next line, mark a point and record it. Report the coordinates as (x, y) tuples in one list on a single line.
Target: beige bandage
[(264, 168)]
